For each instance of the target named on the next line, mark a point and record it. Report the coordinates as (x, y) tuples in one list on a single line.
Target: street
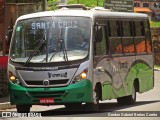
[(149, 101)]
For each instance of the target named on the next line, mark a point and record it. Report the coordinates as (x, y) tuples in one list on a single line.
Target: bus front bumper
[(79, 92)]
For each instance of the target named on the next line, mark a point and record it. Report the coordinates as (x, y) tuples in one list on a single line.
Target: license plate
[(46, 100)]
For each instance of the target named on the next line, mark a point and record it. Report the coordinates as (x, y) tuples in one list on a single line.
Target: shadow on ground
[(104, 108)]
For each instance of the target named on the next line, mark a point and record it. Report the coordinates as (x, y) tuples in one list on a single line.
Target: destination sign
[(59, 24)]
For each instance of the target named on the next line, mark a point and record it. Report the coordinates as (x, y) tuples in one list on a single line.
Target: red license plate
[(46, 100)]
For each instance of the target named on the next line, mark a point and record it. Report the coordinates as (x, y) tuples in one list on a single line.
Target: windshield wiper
[(62, 48), (36, 49), (65, 57)]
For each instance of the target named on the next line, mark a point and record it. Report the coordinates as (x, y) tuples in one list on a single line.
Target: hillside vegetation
[(88, 3)]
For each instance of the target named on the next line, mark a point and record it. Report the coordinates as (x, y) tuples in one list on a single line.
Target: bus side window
[(118, 24), (147, 36), (127, 39), (100, 44), (142, 28), (139, 38), (114, 31)]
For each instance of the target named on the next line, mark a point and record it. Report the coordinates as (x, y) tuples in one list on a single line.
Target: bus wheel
[(23, 108), (131, 99), (73, 106), (95, 105)]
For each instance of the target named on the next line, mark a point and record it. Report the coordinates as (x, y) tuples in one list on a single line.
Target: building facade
[(153, 5)]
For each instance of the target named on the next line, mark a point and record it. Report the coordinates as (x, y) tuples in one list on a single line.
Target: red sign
[(46, 100)]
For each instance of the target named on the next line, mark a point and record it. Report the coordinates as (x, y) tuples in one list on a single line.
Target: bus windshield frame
[(51, 39)]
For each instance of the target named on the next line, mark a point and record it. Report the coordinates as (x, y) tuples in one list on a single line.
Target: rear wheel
[(23, 108), (131, 99)]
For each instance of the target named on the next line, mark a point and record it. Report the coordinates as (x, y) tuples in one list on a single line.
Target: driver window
[(100, 46)]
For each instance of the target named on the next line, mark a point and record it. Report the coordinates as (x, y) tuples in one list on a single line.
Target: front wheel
[(23, 108), (95, 105)]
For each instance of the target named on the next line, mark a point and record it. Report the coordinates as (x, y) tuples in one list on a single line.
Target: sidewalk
[(5, 104)]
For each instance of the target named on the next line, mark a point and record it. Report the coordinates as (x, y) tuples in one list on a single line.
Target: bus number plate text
[(46, 100)]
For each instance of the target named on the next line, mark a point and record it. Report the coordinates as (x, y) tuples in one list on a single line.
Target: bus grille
[(51, 82), (47, 94)]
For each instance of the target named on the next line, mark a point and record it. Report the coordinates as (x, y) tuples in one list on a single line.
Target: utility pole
[(44, 5), (97, 2)]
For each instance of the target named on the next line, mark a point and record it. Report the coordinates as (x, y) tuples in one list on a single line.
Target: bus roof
[(86, 13)]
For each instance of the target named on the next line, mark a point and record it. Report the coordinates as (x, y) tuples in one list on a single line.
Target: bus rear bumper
[(79, 92)]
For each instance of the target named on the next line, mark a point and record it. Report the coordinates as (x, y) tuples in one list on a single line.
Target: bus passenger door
[(102, 74)]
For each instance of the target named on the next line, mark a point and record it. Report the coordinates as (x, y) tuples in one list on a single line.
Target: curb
[(156, 69), (6, 105)]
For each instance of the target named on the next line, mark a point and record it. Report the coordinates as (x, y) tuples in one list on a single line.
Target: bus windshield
[(50, 39)]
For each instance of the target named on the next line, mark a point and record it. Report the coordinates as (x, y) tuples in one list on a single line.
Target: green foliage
[(87, 3), (52, 4), (154, 24)]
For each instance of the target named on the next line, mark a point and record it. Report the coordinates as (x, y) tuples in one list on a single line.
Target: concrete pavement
[(5, 104)]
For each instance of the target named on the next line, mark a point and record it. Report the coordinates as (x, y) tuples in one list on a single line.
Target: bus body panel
[(145, 73), (128, 69), (76, 93)]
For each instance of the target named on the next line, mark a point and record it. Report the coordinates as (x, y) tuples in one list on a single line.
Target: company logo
[(57, 75), (46, 82)]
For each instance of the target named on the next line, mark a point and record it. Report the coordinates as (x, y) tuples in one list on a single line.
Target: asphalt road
[(146, 107)]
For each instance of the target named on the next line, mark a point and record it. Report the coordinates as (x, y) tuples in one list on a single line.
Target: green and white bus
[(70, 57)]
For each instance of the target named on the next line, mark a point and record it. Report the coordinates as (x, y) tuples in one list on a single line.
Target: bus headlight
[(13, 78), (81, 76)]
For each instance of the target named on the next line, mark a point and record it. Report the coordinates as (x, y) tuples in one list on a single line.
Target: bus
[(78, 58)]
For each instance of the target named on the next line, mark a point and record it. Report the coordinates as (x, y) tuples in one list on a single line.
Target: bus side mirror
[(98, 36)]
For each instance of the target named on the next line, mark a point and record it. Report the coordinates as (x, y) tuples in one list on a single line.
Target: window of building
[(155, 5), (136, 4), (145, 4)]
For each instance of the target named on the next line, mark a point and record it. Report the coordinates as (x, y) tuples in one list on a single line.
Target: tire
[(95, 105), (129, 100), (23, 108), (73, 106)]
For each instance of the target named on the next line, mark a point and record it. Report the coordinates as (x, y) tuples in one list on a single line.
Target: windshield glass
[(50, 39)]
